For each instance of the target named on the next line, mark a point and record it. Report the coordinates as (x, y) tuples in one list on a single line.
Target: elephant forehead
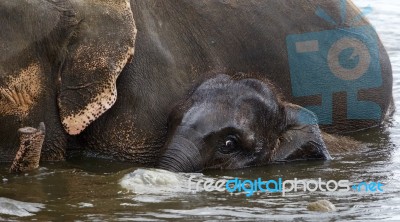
[(20, 91), (20, 20), (244, 113), (212, 116)]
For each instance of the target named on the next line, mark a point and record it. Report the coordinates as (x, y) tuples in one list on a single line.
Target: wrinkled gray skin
[(122, 82), (231, 124)]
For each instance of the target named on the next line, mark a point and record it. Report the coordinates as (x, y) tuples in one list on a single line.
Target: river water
[(97, 190)]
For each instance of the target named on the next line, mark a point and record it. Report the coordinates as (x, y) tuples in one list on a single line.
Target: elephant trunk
[(182, 155)]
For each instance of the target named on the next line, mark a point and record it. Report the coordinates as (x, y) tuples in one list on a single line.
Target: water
[(96, 190)]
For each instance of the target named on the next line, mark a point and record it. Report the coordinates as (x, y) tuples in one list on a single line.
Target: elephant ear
[(102, 46), (302, 140)]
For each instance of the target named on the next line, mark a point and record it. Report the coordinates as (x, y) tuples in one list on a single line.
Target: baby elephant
[(235, 123)]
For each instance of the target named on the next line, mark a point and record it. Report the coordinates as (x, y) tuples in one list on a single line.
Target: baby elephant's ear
[(103, 45), (302, 140)]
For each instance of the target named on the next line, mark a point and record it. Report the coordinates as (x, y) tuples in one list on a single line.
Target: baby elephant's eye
[(230, 145)]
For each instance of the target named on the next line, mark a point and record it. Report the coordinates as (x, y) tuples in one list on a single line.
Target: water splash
[(19, 208)]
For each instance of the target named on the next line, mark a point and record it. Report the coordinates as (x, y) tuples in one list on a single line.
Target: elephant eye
[(229, 145)]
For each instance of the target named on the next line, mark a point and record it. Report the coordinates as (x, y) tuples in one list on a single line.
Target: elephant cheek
[(21, 92), (182, 155)]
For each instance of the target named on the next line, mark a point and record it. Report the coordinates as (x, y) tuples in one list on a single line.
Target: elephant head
[(82, 45), (230, 124), (59, 62)]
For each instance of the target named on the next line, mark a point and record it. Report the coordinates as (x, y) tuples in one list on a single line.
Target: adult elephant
[(59, 63), (67, 63)]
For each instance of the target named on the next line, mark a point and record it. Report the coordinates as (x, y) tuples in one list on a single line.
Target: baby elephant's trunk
[(28, 155), (183, 152)]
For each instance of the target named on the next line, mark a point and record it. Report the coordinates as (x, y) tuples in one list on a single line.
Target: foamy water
[(18, 208)]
